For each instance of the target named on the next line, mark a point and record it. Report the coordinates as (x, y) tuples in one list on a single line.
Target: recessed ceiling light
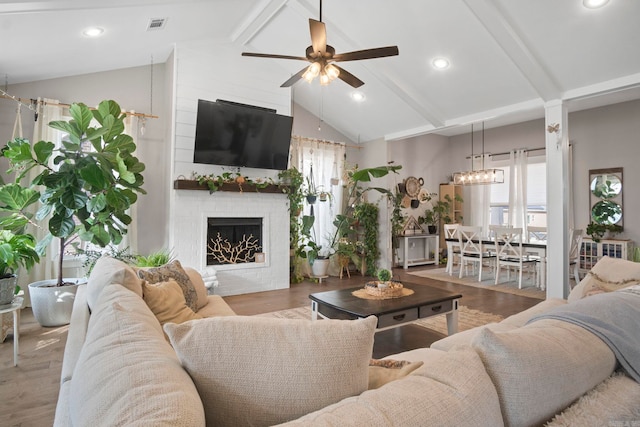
[(440, 63), (93, 31), (594, 4), (357, 96)]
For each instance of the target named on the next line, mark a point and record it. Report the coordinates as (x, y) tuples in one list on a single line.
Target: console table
[(418, 249)]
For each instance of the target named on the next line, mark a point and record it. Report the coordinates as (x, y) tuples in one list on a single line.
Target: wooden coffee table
[(424, 302)]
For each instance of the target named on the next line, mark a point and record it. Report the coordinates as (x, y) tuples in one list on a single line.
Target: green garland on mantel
[(229, 181)]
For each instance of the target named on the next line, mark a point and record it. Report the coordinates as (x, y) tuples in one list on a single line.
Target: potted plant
[(88, 185), (354, 216), (292, 181), (598, 231), (16, 250), (439, 211), (311, 191), (311, 250), (17, 247)]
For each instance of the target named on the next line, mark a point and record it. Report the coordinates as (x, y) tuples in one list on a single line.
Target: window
[(536, 194)]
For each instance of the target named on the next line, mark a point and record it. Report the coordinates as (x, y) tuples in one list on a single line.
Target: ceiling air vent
[(156, 24)]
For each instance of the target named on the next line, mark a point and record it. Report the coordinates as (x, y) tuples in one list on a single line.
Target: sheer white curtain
[(327, 161), (47, 110), (518, 189), (132, 128), (480, 197)]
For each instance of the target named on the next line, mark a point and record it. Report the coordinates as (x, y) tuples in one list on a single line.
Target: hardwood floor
[(393, 340), (28, 392)]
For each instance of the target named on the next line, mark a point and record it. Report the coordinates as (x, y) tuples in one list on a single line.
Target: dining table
[(538, 249)]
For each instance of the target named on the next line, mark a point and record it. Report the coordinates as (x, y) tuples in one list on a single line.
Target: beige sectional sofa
[(121, 368)]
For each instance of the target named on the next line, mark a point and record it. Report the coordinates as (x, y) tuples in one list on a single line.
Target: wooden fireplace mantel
[(188, 184)]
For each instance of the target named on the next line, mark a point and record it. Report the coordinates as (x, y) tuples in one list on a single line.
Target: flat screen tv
[(232, 134)]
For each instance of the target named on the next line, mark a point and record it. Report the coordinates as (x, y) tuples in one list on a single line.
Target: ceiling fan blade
[(268, 55), (318, 36), (293, 79), (348, 78), (379, 52)]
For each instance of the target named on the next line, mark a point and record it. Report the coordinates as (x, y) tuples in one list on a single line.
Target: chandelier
[(482, 176)]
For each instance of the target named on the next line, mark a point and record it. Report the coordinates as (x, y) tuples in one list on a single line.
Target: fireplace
[(232, 240)]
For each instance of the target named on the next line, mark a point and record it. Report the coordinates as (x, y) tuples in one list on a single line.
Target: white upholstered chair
[(472, 249), (508, 242)]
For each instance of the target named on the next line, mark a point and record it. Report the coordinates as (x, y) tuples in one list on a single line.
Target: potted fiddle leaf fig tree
[(87, 186)]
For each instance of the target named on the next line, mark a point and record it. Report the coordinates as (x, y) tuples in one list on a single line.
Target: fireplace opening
[(233, 240)]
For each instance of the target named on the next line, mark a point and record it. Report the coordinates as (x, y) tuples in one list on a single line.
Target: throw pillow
[(541, 368), (387, 370), (166, 301), (609, 274), (265, 371), (173, 270), (198, 284)]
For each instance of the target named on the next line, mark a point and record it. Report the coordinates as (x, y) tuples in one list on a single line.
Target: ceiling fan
[(323, 58)]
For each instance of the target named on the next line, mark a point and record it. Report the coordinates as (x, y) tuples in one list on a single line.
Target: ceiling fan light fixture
[(332, 71), (324, 79), (312, 72)]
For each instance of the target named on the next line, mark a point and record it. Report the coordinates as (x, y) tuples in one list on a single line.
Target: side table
[(14, 308)]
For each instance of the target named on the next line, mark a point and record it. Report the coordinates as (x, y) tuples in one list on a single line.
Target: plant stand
[(14, 308), (343, 262)]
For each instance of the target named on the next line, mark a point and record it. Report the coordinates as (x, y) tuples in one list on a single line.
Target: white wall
[(210, 71), (306, 124)]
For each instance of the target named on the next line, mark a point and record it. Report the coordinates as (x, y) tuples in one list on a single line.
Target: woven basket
[(383, 289)]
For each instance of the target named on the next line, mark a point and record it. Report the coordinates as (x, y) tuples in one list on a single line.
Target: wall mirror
[(605, 195)]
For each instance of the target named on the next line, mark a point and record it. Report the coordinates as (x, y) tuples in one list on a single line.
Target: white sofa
[(119, 369)]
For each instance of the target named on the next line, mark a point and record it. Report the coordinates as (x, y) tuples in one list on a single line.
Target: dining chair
[(451, 232), (510, 253), (575, 243), (537, 234), (472, 249)]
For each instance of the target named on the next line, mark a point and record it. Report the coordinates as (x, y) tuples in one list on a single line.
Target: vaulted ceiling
[(507, 57)]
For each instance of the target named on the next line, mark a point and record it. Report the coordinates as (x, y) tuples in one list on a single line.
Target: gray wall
[(131, 89), (601, 138)]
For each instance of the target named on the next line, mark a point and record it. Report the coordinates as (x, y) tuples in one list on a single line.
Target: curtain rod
[(508, 152), (29, 104), (323, 141)]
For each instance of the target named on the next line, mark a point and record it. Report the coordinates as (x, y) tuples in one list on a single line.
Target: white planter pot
[(320, 267), (51, 304)]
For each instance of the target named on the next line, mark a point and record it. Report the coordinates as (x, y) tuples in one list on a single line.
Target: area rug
[(528, 290), (467, 318)]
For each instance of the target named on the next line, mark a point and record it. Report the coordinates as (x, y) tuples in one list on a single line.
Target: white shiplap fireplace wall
[(210, 71)]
